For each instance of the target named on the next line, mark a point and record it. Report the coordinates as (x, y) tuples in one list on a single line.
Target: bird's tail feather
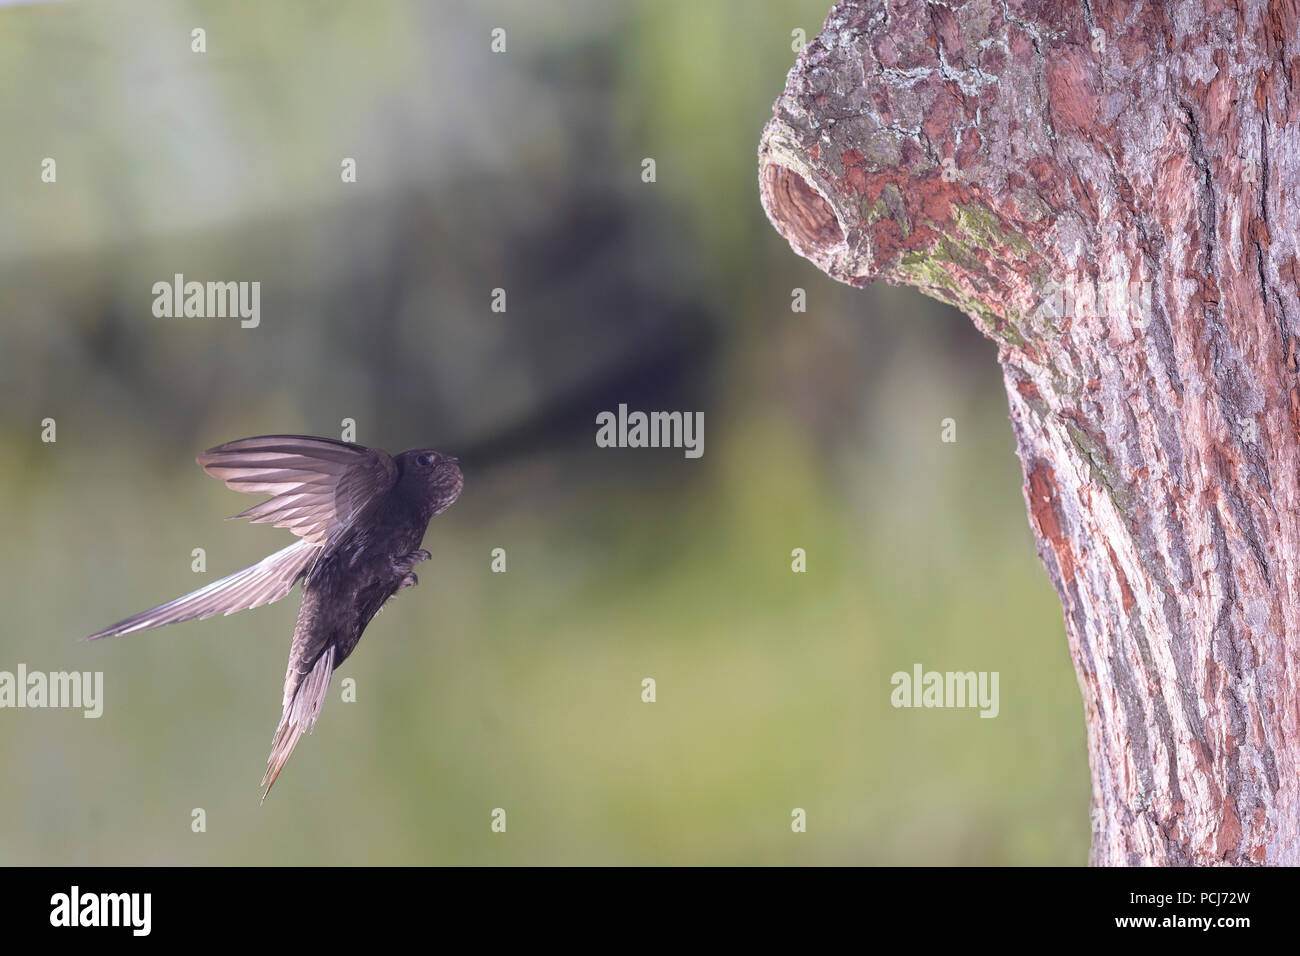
[(299, 716)]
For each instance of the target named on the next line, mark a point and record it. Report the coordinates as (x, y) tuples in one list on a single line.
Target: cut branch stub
[(1112, 193), (910, 189)]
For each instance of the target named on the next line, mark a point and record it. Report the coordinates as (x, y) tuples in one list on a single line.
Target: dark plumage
[(360, 514)]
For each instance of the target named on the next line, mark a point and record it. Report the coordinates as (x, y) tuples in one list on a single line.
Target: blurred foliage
[(480, 690)]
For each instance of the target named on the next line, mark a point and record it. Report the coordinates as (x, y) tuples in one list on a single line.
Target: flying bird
[(360, 515)]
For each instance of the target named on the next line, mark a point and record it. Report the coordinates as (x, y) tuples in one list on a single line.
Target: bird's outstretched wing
[(268, 580), (318, 487)]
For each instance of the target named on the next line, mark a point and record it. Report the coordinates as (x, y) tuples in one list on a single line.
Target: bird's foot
[(407, 561), (409, 581)]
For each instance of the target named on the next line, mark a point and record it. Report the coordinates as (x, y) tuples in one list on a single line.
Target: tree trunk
[(1112, 192)]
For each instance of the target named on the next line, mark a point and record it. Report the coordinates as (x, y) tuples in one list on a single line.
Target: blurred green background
[(476, 690)]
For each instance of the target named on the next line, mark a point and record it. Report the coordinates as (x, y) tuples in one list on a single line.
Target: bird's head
[(435, 473)]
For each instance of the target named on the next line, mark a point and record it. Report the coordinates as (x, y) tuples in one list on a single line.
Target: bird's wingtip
[(268, 781)]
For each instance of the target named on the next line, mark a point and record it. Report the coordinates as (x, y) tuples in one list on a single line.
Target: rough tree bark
[(1112, 192)]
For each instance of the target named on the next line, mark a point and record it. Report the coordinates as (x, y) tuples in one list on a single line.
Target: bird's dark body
[(360, 515), (351, 582)]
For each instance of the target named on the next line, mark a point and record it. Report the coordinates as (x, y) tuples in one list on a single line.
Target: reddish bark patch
[(939, 197), (969, 150), (1125, 592), (993, 60), (1021, 45), (1259, 232), (886, 50), (947, 33), (1228, 838), (1042, 508), (855, 170), (945, 110), (1073, 92), (1280, 25)]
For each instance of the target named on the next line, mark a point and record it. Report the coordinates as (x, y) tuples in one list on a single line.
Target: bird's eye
[(425, 460)]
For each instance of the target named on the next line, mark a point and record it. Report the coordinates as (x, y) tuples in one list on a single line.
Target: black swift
[(361, 514)]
